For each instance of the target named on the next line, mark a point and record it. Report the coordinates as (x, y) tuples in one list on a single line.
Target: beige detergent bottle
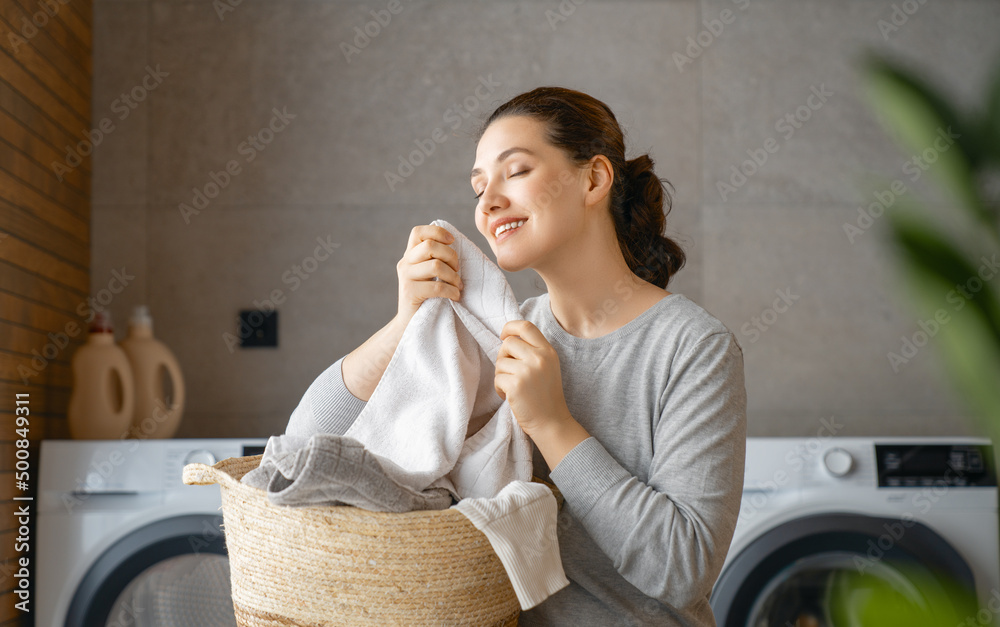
[(159, 385), (102, 402)]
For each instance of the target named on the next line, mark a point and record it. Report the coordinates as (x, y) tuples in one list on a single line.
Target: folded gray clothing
[(327, 469)]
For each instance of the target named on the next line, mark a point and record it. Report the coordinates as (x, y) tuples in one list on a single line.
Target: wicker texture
[(325, 566)]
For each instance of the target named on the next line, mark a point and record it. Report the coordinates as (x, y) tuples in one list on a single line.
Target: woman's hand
[(428, 256), (528, 377)]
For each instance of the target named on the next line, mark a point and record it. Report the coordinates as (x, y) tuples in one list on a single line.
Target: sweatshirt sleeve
[(326, 407), (669, 537)]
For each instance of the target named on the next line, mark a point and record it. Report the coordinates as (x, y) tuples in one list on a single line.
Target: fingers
[(429, 261), (523, 349), (514, 348), (524, 330), (429, 232), (428, 242), (430, 266), (499, 390), (433, 269), (432, 249), (422, 290)]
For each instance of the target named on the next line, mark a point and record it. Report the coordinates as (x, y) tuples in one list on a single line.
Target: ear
[(598, 180)]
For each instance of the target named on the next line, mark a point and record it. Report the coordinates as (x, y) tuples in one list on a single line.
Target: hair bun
[(646, 205), (642, 182), (643, 164)]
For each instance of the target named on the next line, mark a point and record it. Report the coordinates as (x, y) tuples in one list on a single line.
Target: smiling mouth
[(507, 227)]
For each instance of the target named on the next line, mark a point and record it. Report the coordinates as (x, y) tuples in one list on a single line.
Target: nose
[(492, 199)]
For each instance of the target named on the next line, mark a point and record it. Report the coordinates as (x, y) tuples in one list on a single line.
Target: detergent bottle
[(159, 385), (102, 402)]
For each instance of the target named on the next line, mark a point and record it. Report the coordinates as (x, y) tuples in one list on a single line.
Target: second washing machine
[(835, 531), (122, 541)]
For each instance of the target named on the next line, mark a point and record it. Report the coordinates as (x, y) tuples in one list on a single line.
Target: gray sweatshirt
[(652, 498)]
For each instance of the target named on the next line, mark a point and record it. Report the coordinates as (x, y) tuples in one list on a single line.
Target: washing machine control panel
[(200, 456), (953, 465), (179, 453), (838, 462)]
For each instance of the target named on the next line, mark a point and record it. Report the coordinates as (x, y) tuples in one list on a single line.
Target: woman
[(633, 396)]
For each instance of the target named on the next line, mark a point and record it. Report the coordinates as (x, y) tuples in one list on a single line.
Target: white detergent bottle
[(102, 402), (159, 385)]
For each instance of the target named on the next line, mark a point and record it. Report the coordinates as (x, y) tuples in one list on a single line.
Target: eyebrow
[(503, 155)]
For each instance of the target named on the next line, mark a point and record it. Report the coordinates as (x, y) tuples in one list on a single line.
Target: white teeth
[(507, 226)]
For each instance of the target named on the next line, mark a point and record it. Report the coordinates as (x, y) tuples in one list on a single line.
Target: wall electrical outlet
[(258, 328)]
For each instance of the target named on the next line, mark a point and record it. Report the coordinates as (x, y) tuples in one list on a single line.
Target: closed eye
[(480, 194)]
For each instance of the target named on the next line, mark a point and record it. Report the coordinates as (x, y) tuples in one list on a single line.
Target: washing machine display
[(934, 465), (837, 532), (122, 541)]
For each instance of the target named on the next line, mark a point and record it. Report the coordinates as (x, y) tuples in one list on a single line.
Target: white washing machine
[(828, 524), (121, 539)]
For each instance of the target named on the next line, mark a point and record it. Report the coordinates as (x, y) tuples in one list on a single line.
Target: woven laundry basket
[(321, 566)]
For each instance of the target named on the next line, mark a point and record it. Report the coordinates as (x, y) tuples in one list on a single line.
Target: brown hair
[(584, 126)]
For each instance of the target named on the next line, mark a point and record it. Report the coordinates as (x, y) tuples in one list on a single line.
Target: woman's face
[(522, 179)]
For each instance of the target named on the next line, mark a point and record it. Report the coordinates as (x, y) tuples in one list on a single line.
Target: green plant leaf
[(991, 115), (942, 265), (923, 122), (973, 365), (937, 273), (864, 600), (969, 352), (969, 338)]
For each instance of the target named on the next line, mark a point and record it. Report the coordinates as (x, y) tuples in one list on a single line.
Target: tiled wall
[(223, 76)]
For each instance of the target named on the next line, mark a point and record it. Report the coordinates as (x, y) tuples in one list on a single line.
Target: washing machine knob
[(200, 456), (838, 462)]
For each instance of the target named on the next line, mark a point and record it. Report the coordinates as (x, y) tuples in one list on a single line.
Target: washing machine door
[(845, 570), (174, 572)]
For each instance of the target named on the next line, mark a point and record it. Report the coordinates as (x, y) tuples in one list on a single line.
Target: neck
[(591, 289)]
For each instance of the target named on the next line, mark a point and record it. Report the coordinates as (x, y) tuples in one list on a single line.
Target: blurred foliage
[(868, 600), (934, 262)]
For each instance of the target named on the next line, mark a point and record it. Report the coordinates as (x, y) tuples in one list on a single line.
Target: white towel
[(520, 524), (440, 378), (437, 388)]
